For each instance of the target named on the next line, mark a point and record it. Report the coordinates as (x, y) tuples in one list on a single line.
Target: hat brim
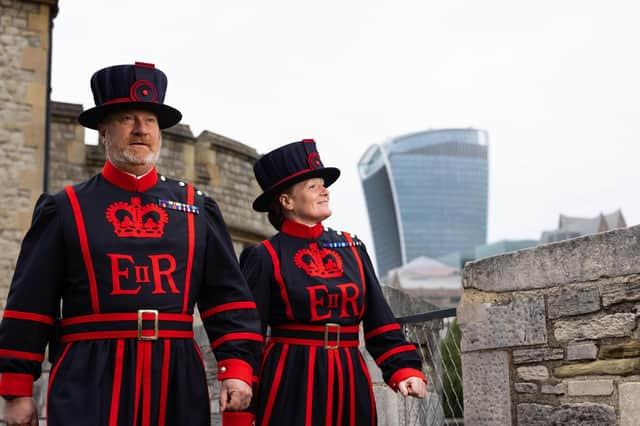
[(329, 174), (167, 116)]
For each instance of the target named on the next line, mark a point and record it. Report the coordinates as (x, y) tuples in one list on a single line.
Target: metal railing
[(437, 338)]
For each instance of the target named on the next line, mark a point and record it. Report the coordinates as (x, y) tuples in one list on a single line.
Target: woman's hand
[(21, 411), (413, 386)]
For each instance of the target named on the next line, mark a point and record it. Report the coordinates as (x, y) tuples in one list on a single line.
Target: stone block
[(608, 254), (573, 302), (618, 367), (487, 396), (523, 356), (629, 403), (589, 387), (623, 350), (533, 414), (580, 351), (559, 389), (586, 414), (619, 293), (487, 326), (614, 325), (583, 414), (525, 387), (538, 372)]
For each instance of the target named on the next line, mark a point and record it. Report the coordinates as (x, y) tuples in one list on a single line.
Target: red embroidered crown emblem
[(323, 263), (135, 220)]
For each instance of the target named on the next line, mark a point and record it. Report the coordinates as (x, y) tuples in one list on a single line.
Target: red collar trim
[(301, 230), (127, 181)]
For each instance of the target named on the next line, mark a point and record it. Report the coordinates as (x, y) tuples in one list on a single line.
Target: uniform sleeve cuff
[(402, 374), (16, 384), (235, 369), (237, 418)]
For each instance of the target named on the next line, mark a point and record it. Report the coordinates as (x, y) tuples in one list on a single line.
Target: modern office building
[(426, 194)]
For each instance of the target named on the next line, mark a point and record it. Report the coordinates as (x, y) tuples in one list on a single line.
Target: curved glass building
[(426, 194)]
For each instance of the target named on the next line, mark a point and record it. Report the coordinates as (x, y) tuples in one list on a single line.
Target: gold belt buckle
[(327, 326), (141, 312)]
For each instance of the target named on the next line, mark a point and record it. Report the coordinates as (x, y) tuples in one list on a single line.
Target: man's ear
[(101, 133)]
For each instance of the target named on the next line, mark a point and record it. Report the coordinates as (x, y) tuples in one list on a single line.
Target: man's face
[(131, 139)]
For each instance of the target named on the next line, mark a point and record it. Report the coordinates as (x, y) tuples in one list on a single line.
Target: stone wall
[(24, 65), (550, 334)]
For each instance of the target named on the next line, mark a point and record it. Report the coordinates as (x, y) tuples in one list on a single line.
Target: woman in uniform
[(313, 288)]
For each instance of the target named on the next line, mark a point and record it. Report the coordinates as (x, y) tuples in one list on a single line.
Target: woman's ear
[(286, 201)]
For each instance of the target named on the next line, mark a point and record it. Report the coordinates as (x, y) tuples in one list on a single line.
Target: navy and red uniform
[(314, 288), (127, 260)]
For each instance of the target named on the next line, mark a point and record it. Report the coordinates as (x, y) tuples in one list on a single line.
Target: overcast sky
[(555, 83)]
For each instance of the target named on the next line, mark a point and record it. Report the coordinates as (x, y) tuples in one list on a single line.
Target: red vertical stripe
[(146, 380), (274, 386), (310, 373), (52, 375), (352, 390), (340, 386), (359, 262), (139, 359), (84, 247), (190, 247), (279, 280), (117, 383), (165, 382), (331, 361), (373, 401)]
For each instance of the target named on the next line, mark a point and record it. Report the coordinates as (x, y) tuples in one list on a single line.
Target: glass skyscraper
[(426, 194)]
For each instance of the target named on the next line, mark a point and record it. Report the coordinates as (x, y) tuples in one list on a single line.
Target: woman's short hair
[(275, 214)]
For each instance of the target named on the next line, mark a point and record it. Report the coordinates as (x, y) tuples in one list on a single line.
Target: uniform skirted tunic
[(129, 259), (313, 287)]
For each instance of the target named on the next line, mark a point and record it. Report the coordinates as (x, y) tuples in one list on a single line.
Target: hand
[(413, 386), (21, 411), (235, 395)]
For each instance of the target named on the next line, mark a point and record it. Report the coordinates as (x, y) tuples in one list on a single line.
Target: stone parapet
[(553, 331)]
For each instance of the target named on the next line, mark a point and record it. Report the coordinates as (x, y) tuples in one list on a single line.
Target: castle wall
[(550, 334), (24, 65)]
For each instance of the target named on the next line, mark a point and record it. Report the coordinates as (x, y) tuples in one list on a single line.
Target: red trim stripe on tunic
[(310, 373), (126, 334), (29, 316), (29, 356), (164, 383), (53, 373), (275, 385), (279, 280), (190, 248), (404, 348), (340, 386), (162, 316), (84, 247), (371, 398), (138, 382), (383, 329), (146, 382), (236, 336), (117, 384), (331, 361), (352, 390), (227, 307), (359, 262)]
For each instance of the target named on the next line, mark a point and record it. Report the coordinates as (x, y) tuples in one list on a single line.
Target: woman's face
[(307, 202)]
